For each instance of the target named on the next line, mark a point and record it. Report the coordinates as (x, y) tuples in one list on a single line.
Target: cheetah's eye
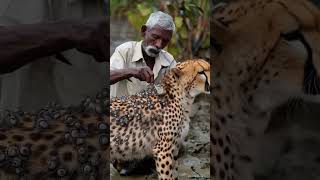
[(201, 72)]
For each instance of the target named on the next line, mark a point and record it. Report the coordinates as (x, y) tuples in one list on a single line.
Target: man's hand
[(143, 74), (92, 37)]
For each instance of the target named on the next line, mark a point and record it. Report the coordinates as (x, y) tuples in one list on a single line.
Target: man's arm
[(22, 44), (143, 74), (119, 75)]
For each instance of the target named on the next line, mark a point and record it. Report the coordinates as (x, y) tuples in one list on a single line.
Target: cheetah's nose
[(207, 87)]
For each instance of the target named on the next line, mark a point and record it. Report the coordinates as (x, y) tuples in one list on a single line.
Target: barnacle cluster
[(85, 131)]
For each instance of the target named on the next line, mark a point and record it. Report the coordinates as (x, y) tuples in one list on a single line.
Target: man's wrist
[(81, 31), (68, 31), (132, 72), (122, 74)]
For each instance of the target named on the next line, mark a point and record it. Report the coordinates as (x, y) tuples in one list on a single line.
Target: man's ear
[(143, 30), (177, 72)]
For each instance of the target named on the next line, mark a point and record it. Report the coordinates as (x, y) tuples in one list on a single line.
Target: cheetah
[(57, 142), (266, 54), (154, 123)]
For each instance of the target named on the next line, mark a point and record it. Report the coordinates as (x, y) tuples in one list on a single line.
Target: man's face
[(155, 39)]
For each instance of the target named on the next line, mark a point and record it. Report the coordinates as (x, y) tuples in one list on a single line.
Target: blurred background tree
[(191, 17)]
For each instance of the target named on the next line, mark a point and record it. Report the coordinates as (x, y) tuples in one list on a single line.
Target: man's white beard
[(152, 51)]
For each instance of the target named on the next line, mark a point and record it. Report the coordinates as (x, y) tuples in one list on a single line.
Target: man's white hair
[(161, 19)]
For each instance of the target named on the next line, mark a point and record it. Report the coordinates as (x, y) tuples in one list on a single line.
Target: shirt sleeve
[(173, 62), (117, 61)]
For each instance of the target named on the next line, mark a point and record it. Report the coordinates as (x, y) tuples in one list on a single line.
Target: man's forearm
[(119, 75), (24, 43)]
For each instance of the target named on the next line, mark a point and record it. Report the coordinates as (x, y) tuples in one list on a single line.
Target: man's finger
[(141, 76), (146, 75), (150, 75), (150, 72)]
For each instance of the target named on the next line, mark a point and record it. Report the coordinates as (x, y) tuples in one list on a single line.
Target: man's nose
[(159, 44)]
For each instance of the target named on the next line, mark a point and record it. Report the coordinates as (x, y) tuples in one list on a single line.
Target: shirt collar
[(137, 52)]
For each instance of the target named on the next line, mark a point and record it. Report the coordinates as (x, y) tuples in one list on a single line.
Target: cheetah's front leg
[(164, 153)]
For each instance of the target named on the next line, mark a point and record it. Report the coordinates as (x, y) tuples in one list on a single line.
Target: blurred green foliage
[(191, 17)]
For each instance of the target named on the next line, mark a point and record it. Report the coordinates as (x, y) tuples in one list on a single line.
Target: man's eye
[(155, 36)]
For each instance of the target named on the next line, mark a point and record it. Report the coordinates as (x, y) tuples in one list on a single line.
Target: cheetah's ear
[(221, 29), (221, 33), (177, 72)]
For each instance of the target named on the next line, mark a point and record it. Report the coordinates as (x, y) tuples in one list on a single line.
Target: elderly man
[(134, 65)]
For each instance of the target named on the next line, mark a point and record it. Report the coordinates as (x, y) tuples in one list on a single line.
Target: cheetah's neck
[(175, 90), (187, 102)]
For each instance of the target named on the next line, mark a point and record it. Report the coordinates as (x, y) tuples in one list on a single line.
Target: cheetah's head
[(193, 76), (269, 49)]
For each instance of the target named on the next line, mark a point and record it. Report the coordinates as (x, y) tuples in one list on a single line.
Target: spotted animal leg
[(165, 162)]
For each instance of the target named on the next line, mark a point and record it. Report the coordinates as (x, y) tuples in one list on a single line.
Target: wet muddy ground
[(195, 156)]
